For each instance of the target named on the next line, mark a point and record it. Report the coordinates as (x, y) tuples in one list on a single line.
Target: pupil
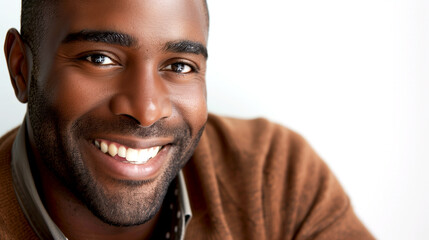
[(98, 59), (179, 67)]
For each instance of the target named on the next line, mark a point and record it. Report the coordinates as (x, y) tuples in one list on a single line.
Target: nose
[(143, 97)]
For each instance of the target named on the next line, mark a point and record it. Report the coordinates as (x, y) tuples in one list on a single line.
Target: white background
[(350, 76)]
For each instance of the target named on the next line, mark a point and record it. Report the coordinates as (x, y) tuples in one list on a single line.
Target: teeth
[(132, 155), (155, 151), (103, 147), (122, 152), (113, 150), (143, 155), (135, 156)]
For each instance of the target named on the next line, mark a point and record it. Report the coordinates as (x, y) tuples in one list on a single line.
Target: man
[(117, 142)]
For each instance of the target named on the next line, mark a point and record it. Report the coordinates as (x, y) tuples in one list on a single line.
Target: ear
[(19, 62)]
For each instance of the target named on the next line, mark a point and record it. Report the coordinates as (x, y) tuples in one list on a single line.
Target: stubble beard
[(134, 202)]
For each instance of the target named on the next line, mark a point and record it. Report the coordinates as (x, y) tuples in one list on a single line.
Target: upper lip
[(135, 142)]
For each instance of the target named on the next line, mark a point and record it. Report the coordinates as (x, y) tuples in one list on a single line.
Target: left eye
[(99, 59), (179, 68)]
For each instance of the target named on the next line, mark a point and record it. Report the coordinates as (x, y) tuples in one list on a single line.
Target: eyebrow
[(125, 40), (101, 36), (186, 46)]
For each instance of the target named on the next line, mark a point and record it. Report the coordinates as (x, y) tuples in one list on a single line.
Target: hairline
[(32, 21)]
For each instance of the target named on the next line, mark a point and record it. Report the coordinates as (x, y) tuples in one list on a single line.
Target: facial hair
[(133, 202)]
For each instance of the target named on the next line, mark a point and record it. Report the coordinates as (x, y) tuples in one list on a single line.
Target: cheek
[(73, 95), (190, 102)]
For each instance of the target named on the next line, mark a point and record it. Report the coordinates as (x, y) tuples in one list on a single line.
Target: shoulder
[(7, 139), (252, 136), (270, 176), (6, 142), (260, 145), (13, 224)]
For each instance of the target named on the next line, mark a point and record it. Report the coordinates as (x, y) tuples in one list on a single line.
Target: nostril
[(131, 117)]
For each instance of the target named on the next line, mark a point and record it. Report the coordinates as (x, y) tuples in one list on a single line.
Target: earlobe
[(19, 62)]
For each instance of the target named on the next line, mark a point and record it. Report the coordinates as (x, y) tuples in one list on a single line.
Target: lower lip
[(105, 164)]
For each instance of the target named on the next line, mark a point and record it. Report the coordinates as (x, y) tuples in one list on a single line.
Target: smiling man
[(117, 142)]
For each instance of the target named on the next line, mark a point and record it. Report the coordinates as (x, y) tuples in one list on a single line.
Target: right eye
[(99, 59)]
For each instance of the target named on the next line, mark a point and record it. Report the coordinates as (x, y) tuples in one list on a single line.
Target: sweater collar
[(38, 217)]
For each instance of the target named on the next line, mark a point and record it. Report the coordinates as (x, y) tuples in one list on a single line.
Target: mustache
[(124, 125)]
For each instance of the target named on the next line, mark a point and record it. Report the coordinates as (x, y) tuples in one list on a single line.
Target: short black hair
[(33, 27)]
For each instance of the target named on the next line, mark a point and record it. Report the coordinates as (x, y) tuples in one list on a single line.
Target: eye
[(179, 68), (99, 59)]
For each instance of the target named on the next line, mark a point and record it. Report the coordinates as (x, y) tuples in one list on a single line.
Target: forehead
[(143, 19)]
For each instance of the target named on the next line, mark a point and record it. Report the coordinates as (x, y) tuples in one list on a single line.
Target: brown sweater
[(247, 180)]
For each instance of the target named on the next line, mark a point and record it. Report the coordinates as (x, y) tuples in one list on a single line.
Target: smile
[(129, 155)]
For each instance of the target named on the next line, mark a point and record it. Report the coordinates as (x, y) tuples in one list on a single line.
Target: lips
[(127, 158)]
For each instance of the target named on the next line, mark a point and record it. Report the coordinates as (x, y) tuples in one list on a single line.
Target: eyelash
[(91, 55), (85, 57), (193, 69)]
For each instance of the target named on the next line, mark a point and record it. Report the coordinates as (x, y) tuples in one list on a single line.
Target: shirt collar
[(32, 206)]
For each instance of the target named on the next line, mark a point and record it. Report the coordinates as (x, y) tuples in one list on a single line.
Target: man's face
[(127, 76)]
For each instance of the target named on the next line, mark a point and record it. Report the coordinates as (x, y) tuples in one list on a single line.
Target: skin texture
[(130, 72)]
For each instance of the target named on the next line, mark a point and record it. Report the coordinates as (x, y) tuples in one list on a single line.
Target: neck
[(75, 220)]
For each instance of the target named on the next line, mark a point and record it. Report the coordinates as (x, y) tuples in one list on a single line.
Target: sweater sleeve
[(314, 205)]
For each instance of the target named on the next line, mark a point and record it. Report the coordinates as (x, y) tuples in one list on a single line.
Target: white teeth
[(103, 147), (135, 156), (132, 155), (150, 152), (113, 150), (122, 152), (143, 155), (156, 151)]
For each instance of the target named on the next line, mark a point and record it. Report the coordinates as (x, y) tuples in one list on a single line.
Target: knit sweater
[(248, 179)]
